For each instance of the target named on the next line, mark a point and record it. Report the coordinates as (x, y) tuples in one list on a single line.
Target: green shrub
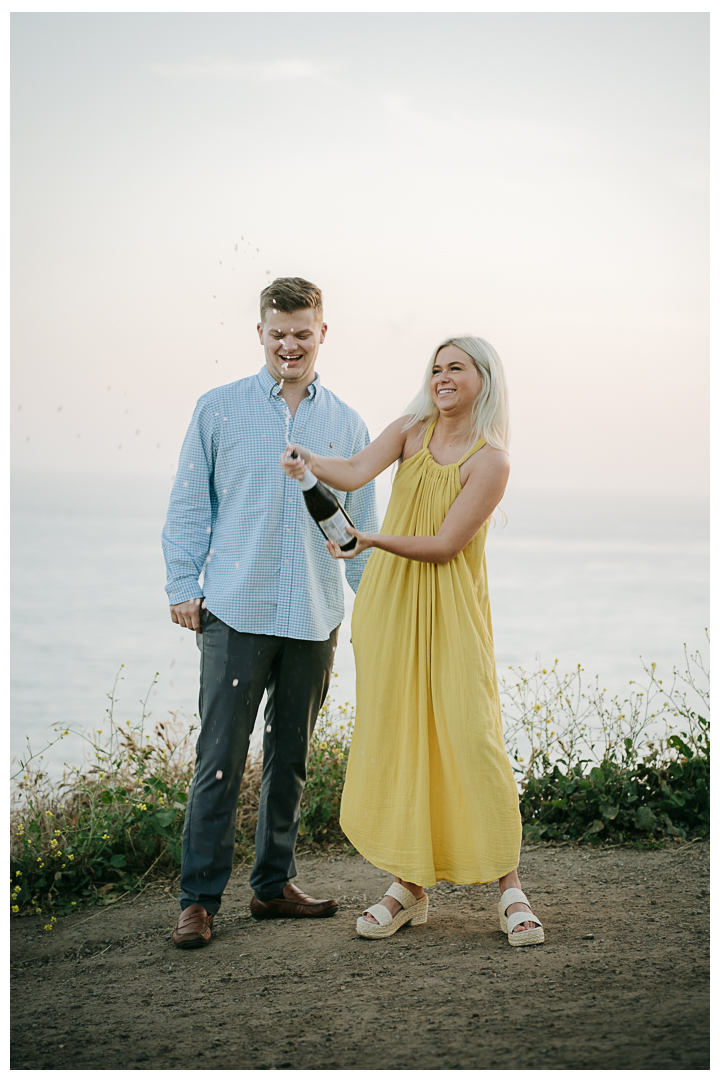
[(116, 824), (320, 809), (611, 801), (106, 827), (598, 769)]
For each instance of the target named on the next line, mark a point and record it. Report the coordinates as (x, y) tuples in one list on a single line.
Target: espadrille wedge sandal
[(414, 911), (508, 922)]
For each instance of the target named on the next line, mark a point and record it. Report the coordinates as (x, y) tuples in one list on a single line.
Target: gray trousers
[(235, 671)]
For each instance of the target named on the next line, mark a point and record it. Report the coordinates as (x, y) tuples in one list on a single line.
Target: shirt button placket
[(285, 591)]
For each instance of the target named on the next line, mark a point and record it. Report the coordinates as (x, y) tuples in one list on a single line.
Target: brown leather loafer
[(193, 928), (293, 905)]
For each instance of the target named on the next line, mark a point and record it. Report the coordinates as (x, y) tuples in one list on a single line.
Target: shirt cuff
[(181, 591)]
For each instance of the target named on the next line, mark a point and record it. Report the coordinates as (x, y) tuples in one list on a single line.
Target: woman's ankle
[(416, 890), (510, 881)]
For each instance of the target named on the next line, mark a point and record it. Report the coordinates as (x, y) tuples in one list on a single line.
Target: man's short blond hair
[(288, 294)]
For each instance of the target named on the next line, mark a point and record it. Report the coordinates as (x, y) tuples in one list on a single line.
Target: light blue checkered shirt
[(235, 515)]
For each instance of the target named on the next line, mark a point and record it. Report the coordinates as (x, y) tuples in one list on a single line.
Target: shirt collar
[(271, 388)]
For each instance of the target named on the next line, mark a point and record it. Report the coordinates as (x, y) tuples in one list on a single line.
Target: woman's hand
[(364, 541), (295, 466)]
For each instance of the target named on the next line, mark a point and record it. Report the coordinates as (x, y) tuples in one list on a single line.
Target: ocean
[(596, 580)]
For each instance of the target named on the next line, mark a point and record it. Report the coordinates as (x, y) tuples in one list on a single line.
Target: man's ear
[(260, 332), (323, 332)]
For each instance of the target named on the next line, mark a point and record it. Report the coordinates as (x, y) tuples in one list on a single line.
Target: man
[(268, 612)]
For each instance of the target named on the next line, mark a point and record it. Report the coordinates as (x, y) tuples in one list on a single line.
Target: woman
[(429, 793)]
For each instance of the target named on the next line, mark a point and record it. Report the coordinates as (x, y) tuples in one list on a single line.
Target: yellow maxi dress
[(429, 793)]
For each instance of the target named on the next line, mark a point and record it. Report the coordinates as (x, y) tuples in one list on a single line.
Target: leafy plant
[(587, 777), (592, 769), (104, 828), (115, 824), (320, 812)]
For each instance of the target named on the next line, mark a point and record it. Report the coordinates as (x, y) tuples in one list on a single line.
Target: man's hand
[(295, 467), (188, 614)]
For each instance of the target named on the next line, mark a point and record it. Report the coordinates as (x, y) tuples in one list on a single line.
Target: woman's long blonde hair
[(490, 416)]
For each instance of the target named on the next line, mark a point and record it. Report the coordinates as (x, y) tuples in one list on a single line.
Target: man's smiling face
[(291, 343)]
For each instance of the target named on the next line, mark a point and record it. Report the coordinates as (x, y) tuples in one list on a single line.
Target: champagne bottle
[(325, 509)]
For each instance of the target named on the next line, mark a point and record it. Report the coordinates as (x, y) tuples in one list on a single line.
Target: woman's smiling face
[(455, 381)]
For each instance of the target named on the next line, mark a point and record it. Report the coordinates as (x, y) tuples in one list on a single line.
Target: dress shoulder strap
[(428, 434), (471, 451)]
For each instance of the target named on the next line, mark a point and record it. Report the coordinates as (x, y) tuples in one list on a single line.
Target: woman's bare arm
[(480, 495), (349, 474)]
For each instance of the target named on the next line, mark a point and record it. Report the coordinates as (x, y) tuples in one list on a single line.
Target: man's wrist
[(181, 595)]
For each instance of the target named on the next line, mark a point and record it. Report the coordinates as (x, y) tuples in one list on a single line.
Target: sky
[(540, 180)]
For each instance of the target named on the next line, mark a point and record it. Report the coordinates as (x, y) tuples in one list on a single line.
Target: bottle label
[(335, 528)]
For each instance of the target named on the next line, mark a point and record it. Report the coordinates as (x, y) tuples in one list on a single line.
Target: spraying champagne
[(325, 509)]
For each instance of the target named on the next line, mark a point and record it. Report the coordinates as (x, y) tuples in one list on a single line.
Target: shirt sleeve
[(362, 510), (187, 534)]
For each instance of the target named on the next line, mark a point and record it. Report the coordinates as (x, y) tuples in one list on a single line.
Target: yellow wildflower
[(48, 926), (18, 873), (14, 909), (53, 843)]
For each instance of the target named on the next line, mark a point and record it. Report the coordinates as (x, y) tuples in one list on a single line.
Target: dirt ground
[(107, 989)]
